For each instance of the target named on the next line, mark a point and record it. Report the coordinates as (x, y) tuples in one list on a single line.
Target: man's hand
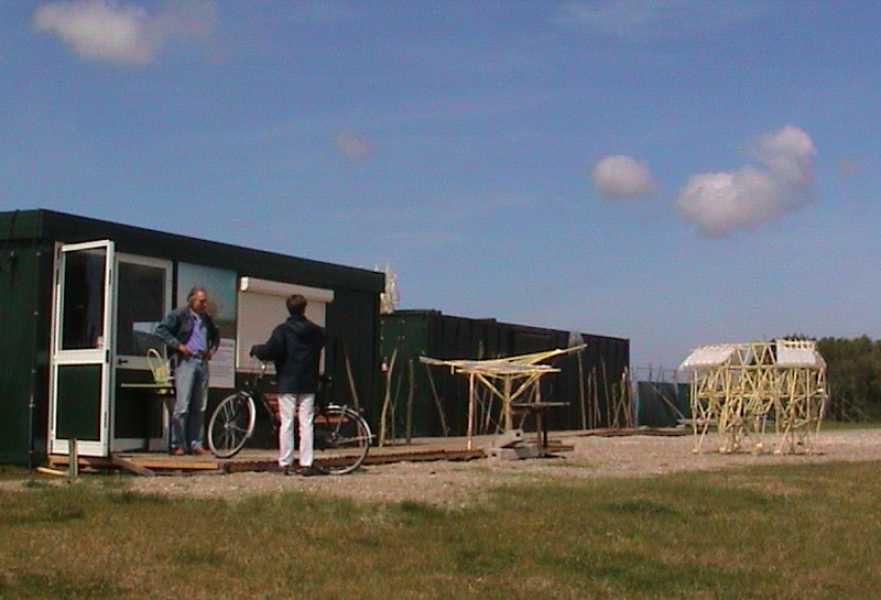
[(184, 350)]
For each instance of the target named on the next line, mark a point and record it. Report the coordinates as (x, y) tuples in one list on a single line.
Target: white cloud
[(641, 18), (720, 203), (353, 146), (622, 177), (106, 30)]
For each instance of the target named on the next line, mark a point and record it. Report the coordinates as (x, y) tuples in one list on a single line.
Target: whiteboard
[(261, 308)]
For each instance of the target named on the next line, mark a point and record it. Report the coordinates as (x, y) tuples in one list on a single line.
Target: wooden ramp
[(258, 459)]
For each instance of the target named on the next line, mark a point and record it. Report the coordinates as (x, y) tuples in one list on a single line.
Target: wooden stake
[(388, 395), (607, 393), (351, 377), (73, 462), (469, 444), (581, 390), (410, 400)]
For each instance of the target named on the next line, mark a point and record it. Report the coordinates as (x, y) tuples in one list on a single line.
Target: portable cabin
[(79, 299), (409, 334)]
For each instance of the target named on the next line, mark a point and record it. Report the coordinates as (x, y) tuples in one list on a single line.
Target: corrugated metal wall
[(25, 299), (431, 333)]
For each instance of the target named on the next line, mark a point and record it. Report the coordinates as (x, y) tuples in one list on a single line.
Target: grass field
[(771, 532)]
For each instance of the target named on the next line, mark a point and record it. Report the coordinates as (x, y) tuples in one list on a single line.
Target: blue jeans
[(191, 387)]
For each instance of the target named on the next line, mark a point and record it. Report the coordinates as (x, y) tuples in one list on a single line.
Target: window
[(142, 291), (83, 317)]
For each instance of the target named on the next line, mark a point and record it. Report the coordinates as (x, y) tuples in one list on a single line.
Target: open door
[(143, 298), (81, 351)]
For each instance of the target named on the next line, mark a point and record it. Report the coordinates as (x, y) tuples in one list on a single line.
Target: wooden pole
[(606, 392), (469, 445), (351, 377), (388, 395), (509, 417), (581, 389), (393, 408), (73, 460), (410, 400), (488, 416)]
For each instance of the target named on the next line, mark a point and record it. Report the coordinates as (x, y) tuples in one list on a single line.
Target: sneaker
[(177, 452)]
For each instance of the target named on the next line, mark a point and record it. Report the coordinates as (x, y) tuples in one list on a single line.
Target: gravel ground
[(459, 483), (456, 484)]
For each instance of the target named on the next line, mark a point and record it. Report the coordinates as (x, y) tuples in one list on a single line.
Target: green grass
[(811, 531)]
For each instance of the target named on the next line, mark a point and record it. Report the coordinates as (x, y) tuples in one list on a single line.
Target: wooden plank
[(127, 465), (175, 463), (48, 471), (57, 460), (238, 466)]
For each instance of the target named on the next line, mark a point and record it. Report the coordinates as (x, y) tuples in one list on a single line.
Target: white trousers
[(288, 404)]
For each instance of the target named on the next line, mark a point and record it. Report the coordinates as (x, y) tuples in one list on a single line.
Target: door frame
[(90, 356), (138, 363)]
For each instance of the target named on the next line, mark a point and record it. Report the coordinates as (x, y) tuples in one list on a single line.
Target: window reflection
[(83, 319), (141, 303)]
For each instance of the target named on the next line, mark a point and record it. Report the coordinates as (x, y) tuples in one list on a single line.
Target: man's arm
[(213, 338), (273, 349), (320, 337), (167, 329)]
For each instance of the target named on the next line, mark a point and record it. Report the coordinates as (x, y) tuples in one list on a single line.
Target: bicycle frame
[(339, 430)]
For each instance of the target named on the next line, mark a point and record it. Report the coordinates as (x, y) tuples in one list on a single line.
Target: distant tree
[(854, 376)]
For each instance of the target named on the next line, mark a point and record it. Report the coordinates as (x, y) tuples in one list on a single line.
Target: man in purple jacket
[(191, 333)]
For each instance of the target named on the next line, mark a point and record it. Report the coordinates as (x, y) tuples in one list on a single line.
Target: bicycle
[(341, 435)]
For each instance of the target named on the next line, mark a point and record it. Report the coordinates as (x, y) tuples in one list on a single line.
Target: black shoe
[(309, 472)]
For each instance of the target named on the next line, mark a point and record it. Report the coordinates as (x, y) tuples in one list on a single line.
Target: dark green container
[(416, 333)]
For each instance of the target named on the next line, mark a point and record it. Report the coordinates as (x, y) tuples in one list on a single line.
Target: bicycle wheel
[(231, 425), (342, 440)]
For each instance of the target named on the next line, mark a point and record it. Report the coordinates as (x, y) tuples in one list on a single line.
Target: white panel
[(798, 354), (275, 288), (708, 356), (261, 308)]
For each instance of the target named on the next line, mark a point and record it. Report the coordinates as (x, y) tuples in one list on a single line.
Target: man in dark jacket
[(191, 333), (295, 348)]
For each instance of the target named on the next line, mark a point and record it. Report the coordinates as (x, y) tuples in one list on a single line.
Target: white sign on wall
[(223, 365)]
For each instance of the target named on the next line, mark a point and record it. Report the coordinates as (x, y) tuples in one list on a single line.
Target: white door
[(82, 375), (143, 297)]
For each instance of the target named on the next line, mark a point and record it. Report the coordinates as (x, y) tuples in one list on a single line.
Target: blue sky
[(678, 173)]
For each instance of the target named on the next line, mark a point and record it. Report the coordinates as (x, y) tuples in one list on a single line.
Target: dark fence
[(407, 335)]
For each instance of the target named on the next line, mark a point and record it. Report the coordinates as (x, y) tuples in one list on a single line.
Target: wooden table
[(539, 409)]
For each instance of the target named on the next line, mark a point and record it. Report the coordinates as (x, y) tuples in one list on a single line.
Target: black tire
[(232, 423), (341, 439)]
